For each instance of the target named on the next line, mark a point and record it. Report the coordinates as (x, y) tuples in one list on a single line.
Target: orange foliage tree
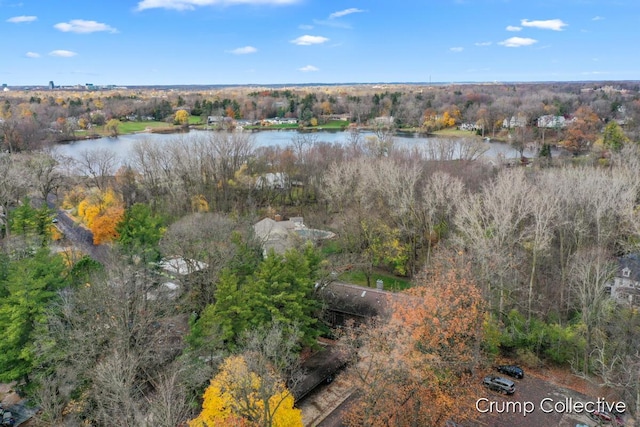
[(417, 367), (583, 130), (101, 211)]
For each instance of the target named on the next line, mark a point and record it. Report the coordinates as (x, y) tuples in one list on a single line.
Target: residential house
[(383, 121), (347, 302), (469, 126), (625, 287), (552, 122), (215, 120), (282, 235), (514, 122), (273, 181), (279, 121), (175, 269)]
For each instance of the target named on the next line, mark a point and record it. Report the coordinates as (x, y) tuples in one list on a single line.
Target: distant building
[(514, 122), (550, 121), (51, 85), (273, 181), (383, 121)]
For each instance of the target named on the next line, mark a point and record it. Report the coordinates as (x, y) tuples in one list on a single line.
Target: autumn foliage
[(234, 398), (100, 211), (417, 366)]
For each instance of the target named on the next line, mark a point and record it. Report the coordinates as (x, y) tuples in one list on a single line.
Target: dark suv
[(511, 370), (499, 384)]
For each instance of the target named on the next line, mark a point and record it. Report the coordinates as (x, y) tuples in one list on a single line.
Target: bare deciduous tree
[(99, 165), (591, 270)]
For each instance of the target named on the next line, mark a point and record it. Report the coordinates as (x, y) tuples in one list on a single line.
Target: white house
[(179, 266), (273, 181), (626, 284), (551, 121), (514, 122)]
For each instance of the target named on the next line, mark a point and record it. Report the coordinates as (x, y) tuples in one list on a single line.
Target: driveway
[(546, 396), (538, 402)]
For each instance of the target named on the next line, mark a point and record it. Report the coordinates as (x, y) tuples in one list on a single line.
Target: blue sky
[(165, 42)]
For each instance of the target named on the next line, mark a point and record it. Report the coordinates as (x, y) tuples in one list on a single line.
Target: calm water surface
[(123, 145)]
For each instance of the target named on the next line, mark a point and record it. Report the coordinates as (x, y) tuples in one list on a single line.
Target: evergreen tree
[(279, 291), (29, 286), (140, 232), (613, 136)]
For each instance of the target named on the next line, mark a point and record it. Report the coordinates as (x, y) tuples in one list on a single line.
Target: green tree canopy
[(28, 287), (28, 221), (140, 232), (280, 290), (613, 136)]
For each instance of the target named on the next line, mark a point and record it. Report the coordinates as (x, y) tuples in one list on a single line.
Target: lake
[(122, 145)]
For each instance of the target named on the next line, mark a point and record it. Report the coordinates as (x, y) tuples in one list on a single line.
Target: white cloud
[(308, 68), (456, 49), (483, 43), (32, 55), (334, 23), (513, 28), (81, 26), (23, 18), (549, 24), (307, 40), (345, 12), (518, 42), (62, 53), (244, 50), (597, 18), (192, 4)]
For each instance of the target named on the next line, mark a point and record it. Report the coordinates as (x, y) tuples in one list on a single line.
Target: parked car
[(499, 384), (511, 370)]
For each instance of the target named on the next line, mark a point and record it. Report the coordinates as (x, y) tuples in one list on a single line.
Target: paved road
[(80, 237)]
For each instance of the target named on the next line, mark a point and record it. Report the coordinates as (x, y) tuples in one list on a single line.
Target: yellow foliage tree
[(101, 211), (83, 123), (235, 398), (112, 127), (182, 117), (199, 203), (446, 120)]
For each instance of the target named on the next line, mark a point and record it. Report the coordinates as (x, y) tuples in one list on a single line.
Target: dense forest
[(492, 258)]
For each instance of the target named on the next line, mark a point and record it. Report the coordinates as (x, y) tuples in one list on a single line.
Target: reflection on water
[(122, 145)]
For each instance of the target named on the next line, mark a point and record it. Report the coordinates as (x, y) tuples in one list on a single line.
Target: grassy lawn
[(132, 127), (126, 128), (333, 124), (456, 132), (391, 282)]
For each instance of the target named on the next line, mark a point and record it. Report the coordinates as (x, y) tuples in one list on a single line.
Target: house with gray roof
[(282, 235), (625, 287)]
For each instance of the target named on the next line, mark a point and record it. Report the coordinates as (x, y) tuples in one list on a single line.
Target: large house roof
[(355, 300), (629, 267)]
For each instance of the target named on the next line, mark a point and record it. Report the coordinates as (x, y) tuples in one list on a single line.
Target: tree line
[(31, 119), (502, 260)]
